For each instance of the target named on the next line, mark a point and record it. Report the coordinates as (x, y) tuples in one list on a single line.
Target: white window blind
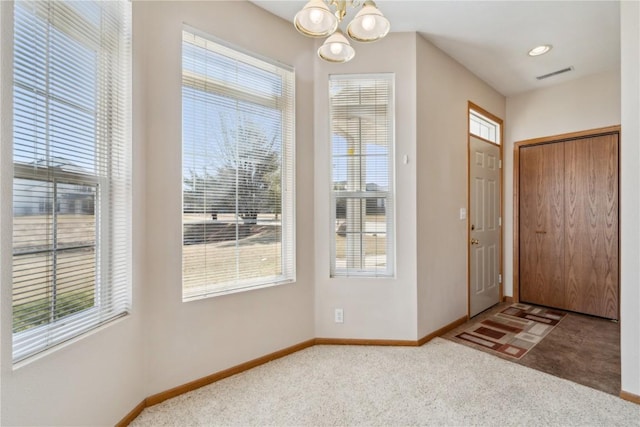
[(71, 156), (238, 169), (362, 146)]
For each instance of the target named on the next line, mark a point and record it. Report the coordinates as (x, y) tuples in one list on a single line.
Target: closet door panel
[(591, 225), (541, 225)]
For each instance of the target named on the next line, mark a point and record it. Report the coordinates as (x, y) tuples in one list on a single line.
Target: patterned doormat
[(513, 331)]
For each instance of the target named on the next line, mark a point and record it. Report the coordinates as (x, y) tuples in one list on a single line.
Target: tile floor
[(583, 349)]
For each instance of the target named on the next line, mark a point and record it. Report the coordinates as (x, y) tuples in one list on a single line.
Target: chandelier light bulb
[(368, 22), (335, 48), (315, 19), (315, 16)]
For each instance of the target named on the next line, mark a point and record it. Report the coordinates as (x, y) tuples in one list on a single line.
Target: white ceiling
[(492, 38)]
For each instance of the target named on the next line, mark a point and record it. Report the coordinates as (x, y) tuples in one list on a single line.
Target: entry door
[(484, 244)]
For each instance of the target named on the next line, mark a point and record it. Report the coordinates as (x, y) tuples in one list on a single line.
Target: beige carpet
[(440, 383)]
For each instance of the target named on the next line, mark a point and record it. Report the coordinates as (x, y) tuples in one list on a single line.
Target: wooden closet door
[(541, 225), (591, 225)]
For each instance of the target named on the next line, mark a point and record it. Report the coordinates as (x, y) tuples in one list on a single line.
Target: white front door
[(484, 223)]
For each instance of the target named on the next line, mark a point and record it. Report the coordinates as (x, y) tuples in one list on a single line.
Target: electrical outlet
[(338, 315)]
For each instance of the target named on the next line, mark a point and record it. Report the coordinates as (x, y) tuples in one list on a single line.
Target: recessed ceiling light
[(540, 50)]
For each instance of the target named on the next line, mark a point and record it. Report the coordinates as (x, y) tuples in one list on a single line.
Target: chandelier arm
[(341, 8)]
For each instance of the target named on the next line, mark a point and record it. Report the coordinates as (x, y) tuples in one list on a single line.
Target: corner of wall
[(630, 200), (444, 88)]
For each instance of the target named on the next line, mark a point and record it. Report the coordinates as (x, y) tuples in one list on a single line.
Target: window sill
[(229, 290)]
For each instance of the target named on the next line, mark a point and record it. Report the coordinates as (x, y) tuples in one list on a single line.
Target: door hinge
[(499, 221), (499, 164), (499, 278)]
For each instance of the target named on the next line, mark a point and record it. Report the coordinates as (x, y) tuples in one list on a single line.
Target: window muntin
[(64, 256), (238, 151), (484, 127), (362, 193), (71, 197)]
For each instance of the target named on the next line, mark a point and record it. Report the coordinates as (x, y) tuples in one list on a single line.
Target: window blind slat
[(71, 191), (238, 216)]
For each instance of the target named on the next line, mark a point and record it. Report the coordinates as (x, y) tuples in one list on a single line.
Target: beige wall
[(630, 198), (587, 103), (186, 341), (97, 378), (444, 89), (381, 308)]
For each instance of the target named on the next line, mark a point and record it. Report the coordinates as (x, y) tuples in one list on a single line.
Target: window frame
[(286, 106), (389, 196), (111, 295), (487, 122)]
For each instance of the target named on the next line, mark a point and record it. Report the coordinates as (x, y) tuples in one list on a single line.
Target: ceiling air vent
[(555, 73)]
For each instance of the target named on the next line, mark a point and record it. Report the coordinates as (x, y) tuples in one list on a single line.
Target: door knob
[(475, 241)]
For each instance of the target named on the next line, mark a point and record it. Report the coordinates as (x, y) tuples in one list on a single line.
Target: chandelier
[(316, 19)]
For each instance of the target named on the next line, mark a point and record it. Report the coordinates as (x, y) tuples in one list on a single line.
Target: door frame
[(516, 189), (475, 107)]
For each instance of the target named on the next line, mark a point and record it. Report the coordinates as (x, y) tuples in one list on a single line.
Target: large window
[(362, 135), (71, 157), (237, 160)]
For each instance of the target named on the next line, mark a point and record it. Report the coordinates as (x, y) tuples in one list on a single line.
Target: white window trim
[(288, 232), (81, 323), (496, 126), (390, 270)]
